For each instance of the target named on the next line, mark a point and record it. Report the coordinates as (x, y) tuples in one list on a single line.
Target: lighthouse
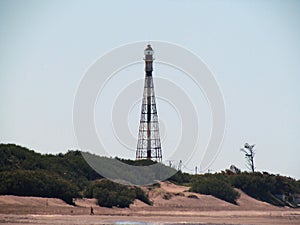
[(149, 144)]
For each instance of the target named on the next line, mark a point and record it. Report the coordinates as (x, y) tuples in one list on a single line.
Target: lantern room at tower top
[(148, 60)]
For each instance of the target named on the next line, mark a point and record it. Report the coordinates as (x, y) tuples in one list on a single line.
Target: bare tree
[(249, 155)]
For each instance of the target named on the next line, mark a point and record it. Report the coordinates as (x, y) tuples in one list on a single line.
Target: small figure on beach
[(92, 211)]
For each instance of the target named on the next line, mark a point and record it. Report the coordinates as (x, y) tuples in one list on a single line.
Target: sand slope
[(171, 203)]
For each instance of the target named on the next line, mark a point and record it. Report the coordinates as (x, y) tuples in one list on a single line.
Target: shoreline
[(209, 217)]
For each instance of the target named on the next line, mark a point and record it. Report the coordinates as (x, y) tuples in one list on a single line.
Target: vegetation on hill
[(266, 187), (68, 176), (111, 194), (70, 166), (37, 183), (274, 189), (211, 185)]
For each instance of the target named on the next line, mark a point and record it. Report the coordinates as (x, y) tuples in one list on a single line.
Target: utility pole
[(179, 165)]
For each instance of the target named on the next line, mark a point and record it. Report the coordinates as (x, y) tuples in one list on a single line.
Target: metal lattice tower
[(149, 145)]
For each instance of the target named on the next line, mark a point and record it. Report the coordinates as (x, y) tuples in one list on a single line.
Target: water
[(162, 223)]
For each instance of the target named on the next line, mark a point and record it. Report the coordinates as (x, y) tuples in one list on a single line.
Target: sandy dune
[(171, 204)]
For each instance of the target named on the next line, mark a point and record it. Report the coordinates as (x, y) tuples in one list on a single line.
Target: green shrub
[(140, 194), (70, 166), (37, 183), (181, 178), (193, 196), (264, 186), (167, 196), (215, 187), (109, 194)]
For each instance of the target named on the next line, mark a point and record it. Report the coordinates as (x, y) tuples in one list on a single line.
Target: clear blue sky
[(252, 47)]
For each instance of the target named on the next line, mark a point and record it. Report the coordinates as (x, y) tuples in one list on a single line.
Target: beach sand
[(181, 208)]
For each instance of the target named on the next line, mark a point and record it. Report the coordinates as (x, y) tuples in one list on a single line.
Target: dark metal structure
[(149, 145)]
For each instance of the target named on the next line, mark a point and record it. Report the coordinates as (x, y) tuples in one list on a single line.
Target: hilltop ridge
[(67, 176)]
